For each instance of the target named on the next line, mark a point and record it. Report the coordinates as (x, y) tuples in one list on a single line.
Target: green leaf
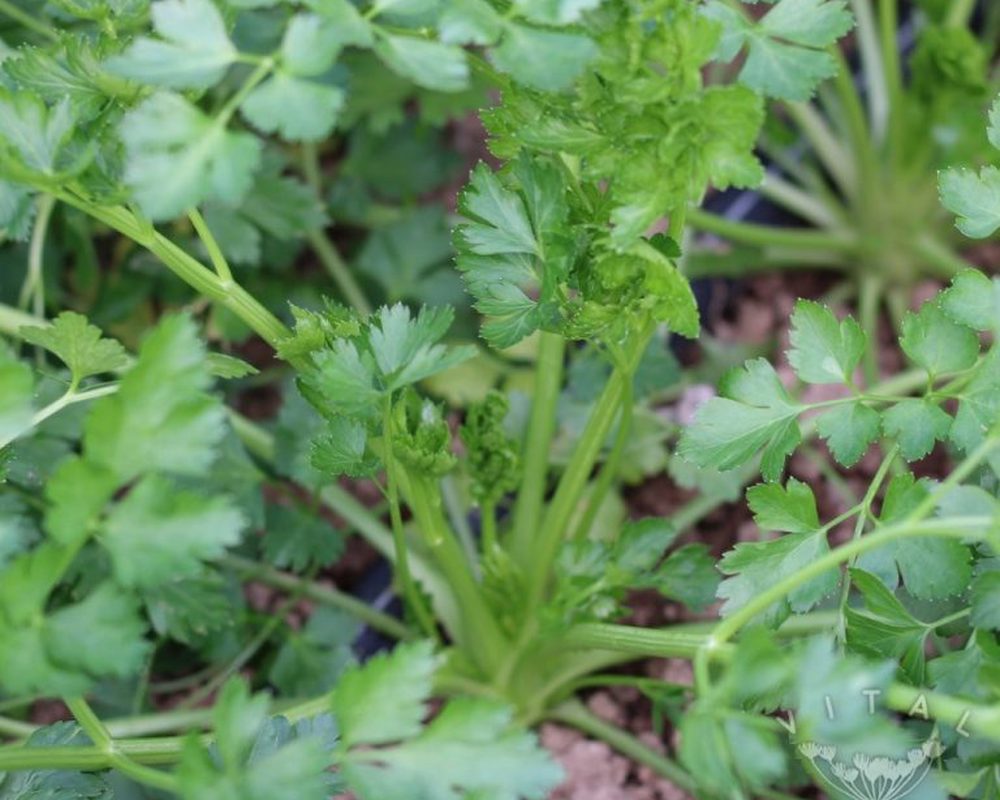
[(433, 65), (547, 60), (311, 661), (178, 158), (345, 25), (298, 540), (754, 413), (786, 57), (310, 45), (103, 635), (555, 12), (78, 344), (470, 749), (973, 300), (191, 610), (849, 431), (689, 576), (229, 367), (790, 509), (512, 250), (298, 110), (752, 567), (916, 425), (885, 629), (17, 211), (260, 757), (974, 197), (341, 451), (936, 343), (77, 493), (823, 349), (932, 569), (411, 258), (469, 22), (32, 134), (979, 408), (159, 533), (193, 52), (51, 784), (493, 457), (162, 404), (17, 398), (385, 700), (985, 598), (406, 350)]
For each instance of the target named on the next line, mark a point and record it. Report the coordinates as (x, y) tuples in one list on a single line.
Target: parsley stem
[(537, 444), (337, 268), (413, 599), (888, 19), (960, 13), (28, 21), (33, 288), (69, 398), (828, 148), (211, 245), (875, 83), (319, 593), (575, 714), (768, 235), (102, 739), (553, 529), (863, 510)]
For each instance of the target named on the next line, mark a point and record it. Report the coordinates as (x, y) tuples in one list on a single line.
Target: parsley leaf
[(936, 343), (786, 58), (823, 349), (973, 299), (433, 65), (32, 135), (298, 540), (79, 345), (753, 566), (469, 748), (752, 413), (849, 431), (975, 197), (177, 157), (297, 109), (916, 424), (17, 398), (193, 53), (161, 403), (158, 532), (255, 756)]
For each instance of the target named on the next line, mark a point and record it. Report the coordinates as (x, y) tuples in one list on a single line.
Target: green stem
[(888, 31), (767, 236), (33, 288), (318, 593), (69, 398), (119, 760), (488, 521), (874, 70), (414, 600), (574, 713), (868, 305), (828, 148), (802, 204), (864, 508), (28, 21), (215, 254), (479, 632), (537, 444), (553, 529), (960, 13), (337, 268), (609, 470), (187, 268), (961, 528)]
